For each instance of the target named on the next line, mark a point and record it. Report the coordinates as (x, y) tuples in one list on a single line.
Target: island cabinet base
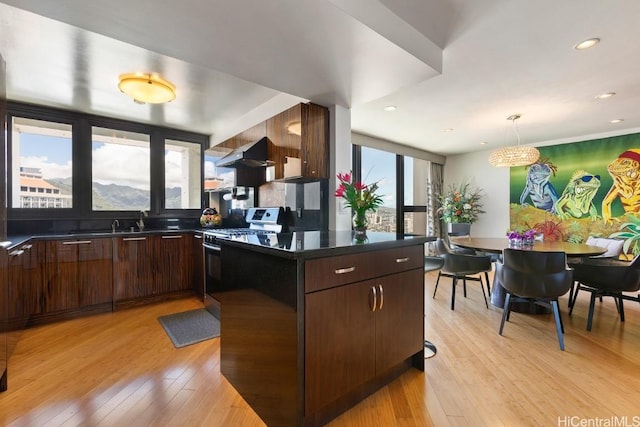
[(302, 342)]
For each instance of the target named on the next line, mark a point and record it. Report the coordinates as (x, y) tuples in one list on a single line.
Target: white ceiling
[(460, 64)]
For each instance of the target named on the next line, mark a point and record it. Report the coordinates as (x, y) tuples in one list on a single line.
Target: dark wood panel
[(339, 343), (283, 143), (95, 272), (399, 259), (323, 273), (315, 143), (170, 257), (196, 265), (252, 134), (400, 321), (133, 274)]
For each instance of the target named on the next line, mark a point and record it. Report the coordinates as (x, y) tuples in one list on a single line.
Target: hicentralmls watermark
[(614, 421)]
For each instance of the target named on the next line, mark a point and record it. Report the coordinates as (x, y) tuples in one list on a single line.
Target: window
[(120, 168), (380, 166), (182, 175), (41, 153), (415, 195)]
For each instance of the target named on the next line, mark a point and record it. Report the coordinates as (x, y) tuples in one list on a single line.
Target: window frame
[(81, 125)]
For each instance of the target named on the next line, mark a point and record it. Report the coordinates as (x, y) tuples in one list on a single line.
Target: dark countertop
[(314, 244), (17, 240)]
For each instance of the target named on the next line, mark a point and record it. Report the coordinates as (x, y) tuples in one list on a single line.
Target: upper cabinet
[(299, 144)]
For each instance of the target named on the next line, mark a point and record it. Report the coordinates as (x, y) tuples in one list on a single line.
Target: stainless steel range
[(263, 226)]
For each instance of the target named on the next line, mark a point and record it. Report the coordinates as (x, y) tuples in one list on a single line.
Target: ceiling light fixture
[(390, 108), (448, 130), (614, 121), (586, 44), (605, 95), (517, 155), (147, 88)]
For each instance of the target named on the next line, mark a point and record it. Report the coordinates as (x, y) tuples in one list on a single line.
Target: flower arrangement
[(359, 197), (460, 204), (521, 235)]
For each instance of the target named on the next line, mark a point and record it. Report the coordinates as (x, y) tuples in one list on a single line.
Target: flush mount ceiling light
[(586, 44), (147, 88), (517, 155), (614, 121), (390, 108), (447, 130)]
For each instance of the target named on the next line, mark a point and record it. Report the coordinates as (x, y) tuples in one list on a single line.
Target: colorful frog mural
[(542, 193), (577, 198), (625, 171)]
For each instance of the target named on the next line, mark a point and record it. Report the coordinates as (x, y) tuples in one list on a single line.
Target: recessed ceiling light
[(586, 44), (390, 108), (614, 121), (605, 95), (484, 143), (448, 130)]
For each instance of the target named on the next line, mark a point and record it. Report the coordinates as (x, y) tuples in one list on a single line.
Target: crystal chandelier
[(516, 155)]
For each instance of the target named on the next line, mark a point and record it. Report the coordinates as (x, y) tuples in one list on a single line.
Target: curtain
[(435, 183)]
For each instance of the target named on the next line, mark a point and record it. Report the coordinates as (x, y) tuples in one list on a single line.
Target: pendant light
[(516, 155)]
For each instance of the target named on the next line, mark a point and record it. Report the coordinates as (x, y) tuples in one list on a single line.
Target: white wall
[(494, 182)]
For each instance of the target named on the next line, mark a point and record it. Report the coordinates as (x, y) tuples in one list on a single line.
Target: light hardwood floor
[(120, 369)]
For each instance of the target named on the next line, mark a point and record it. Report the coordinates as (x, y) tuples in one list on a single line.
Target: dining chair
[(607, 277), (462, 266), (613, 247), (537, 277)]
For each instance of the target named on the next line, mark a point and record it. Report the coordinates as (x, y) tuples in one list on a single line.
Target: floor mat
[(190, 327)]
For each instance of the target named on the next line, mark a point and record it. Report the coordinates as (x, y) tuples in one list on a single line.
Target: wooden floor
[(120, 369)]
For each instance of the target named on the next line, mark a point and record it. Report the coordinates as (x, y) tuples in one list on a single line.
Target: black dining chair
[(461, 266), (606, 277), (537, 277)]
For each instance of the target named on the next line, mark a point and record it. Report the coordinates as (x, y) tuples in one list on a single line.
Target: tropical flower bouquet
[(519, 238), (460, 204), (359, 197)]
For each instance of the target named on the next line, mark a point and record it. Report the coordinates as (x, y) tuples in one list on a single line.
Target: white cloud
[(49, 170), (122, 165)]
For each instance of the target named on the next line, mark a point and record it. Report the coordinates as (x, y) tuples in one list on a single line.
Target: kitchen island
[(313, 322)]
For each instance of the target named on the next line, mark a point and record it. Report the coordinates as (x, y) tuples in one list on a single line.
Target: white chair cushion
[(613, 246)]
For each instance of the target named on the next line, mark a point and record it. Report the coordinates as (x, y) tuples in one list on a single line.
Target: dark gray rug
[(190, 327)]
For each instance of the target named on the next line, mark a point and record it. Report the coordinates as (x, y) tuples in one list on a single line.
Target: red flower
[(360, 186), (340, 191)]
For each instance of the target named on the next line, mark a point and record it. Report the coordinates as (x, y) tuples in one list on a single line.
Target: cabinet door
[(95, 272), (339, 342), (400, 320), (133, 275), (22, 297), (315, 141), (170, 256), (61, 286), (284, 131)]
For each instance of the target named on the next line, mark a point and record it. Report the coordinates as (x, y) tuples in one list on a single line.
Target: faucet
[(114, 225), (140, 223)]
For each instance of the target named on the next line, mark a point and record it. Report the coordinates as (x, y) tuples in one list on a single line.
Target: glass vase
[(360, 224)]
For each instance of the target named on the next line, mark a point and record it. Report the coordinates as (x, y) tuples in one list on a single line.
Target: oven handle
[(211, 247)]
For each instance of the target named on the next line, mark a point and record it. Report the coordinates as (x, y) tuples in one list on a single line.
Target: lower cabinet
[(78, 273), (357, 331), (152, 265)]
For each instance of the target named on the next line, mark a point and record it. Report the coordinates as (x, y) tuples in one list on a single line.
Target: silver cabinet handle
[(197, 236), (172, 237), (399, 260), (133, 239), (345, 270), (78, 242), (16, 253), (375, 298), (27, 247), (381, 297)]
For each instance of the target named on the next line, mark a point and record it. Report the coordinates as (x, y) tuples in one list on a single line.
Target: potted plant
[(360, 198), (460, 207)]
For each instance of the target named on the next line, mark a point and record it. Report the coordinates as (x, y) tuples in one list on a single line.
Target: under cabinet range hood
[(250, 155)]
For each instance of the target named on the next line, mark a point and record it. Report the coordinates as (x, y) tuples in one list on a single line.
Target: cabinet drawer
[(324, 273), (397, 260)]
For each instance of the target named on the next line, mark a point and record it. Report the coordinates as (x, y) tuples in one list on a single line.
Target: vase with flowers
[(361, 198), (519, 239), (460, 204)]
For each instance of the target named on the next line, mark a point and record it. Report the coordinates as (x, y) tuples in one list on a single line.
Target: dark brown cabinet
[(24, 280), (299, 140), (359, 329), (197, 265), (78, 273), (133, 274), (152, 265)]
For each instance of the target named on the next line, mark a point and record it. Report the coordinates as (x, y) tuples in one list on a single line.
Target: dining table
[(495, 245)]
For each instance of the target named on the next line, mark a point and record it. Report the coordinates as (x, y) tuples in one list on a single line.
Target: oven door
[(212, 277)]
